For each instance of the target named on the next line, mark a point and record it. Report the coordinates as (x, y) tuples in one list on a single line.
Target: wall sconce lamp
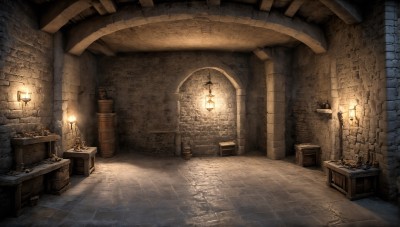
[(24, 96), (72, 120), (210, 104), (352, 113)]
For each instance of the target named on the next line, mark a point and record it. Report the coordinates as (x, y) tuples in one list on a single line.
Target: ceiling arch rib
[(84, 34), (61, 12)]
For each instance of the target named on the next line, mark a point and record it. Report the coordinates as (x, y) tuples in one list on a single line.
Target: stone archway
[(204, 129), (83, 35)]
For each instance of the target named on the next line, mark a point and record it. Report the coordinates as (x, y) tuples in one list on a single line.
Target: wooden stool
[(227, 148)]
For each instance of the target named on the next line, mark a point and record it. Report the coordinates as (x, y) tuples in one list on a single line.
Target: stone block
[(390, 15), (392, 94), (392, 63), (276, 108), (15, 105), (275, 96), (4, 83)]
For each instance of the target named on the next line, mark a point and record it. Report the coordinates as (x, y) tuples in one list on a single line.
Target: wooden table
[(354, 183), (87, 156), (23, 149)]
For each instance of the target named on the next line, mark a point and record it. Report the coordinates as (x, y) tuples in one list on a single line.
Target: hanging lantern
[(210, 104)]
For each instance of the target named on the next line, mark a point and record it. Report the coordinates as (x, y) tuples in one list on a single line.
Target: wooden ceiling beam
[(214, 2), (266, 5), (146, 3), (109, 6), (99, 8), (293, 7), (344, 10)]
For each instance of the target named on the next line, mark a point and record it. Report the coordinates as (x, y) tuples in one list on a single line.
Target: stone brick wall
[(350, 75), (74, 94), (200, 128), (392, 37), (145, 92), (311, 85), (25, 63)]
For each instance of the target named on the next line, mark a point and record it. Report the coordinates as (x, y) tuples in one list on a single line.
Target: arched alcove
[(201, 128)]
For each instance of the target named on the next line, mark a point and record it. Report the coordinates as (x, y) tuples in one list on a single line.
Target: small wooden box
[(82, 162), (308, 154), (227, 148)]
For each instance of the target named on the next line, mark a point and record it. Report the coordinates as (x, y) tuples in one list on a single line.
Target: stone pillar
[(241, 119), (178, 136), (277, 67), (334, 124)]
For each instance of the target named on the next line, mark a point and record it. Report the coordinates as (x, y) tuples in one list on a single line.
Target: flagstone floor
[(139, 190)]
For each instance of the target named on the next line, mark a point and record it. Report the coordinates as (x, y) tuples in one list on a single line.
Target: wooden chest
[(354, 183)]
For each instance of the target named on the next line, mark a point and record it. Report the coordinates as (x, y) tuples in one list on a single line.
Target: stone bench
[(58, 184)]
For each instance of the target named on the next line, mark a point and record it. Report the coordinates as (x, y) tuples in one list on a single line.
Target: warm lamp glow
[(210, 104), (72, 120), (352, 113), (24, 96)]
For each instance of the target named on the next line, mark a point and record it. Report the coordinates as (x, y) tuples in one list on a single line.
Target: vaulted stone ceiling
[(113, 26)]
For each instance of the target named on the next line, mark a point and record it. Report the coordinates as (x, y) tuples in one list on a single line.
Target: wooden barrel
[(105, 105), (106, 125)]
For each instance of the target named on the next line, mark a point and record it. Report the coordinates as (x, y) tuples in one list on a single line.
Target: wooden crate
[(354, 183), (308, 154), (83, 162)]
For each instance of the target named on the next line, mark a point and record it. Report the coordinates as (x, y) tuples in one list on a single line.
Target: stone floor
[(130, 190)]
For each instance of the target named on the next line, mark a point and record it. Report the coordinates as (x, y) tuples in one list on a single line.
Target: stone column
[(334, 123), (241, 119), (277, 69)]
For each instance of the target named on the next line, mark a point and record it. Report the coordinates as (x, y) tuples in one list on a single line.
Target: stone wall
[(392, 37), (200, 128), (145, 92), (74, 94), (25, 63), (351, 75)]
